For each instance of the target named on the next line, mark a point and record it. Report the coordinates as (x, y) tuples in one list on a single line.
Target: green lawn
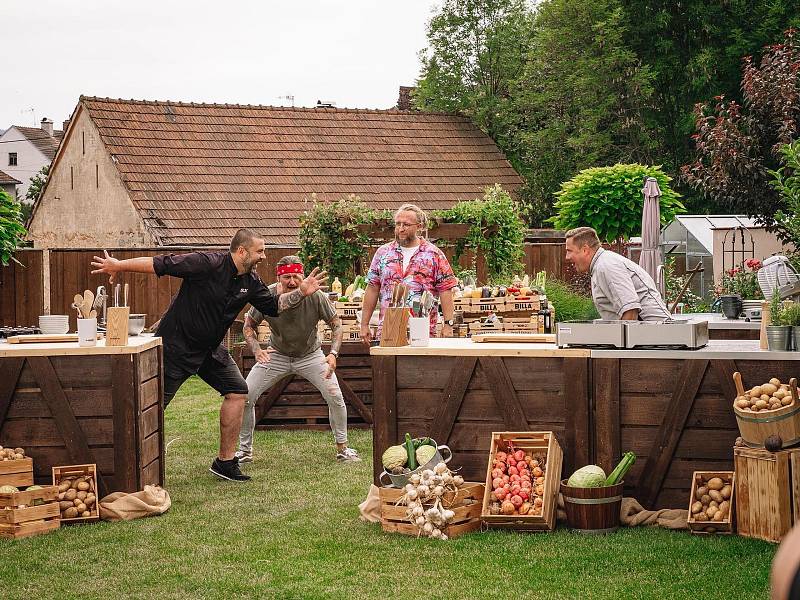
[(293, 532)]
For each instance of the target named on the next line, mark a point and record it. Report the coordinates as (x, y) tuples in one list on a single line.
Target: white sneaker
[(244, 457), (347, 455)]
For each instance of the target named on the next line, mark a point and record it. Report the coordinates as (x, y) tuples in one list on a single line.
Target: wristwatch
[(335, 353), (448, 322)]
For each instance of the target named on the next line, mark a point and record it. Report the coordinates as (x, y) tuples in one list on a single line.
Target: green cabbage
[(395, 456), (588, 477), (425, 454), (8, 489)]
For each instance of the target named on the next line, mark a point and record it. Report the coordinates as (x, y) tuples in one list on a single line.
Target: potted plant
[(779, 333), (791, 317), (742, 281)]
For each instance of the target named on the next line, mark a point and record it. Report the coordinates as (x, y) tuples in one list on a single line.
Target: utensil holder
[(419, 331), (395, 327), (117, 326), (87, 332)]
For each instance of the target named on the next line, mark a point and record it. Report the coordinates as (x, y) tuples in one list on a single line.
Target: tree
[(693, 48), (786, 181), (738, 146), (580, 97), (37, 184), (12, 233)]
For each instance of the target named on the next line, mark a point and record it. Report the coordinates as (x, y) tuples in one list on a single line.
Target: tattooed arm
[(251, 338), (336, 343), (309, 285)]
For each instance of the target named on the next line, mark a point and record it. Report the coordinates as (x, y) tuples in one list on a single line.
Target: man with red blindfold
[(215, 287), (295, 349)]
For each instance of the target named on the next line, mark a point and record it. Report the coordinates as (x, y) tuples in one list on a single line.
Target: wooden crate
[(523, 303), (521, 327), (27, 513), (466, 504), (767, 492), (540, 442), (478, 327), (62, 472), (18, 472), (462, 304), (348, 310), (482, 305), (725, 526)]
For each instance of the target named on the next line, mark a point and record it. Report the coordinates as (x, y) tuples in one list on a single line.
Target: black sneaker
[(228, 469)]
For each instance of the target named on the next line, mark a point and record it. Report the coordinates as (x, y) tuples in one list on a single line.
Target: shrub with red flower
[(742, 280)]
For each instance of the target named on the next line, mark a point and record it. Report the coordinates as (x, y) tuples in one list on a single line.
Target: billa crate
[(767, 492), (478, 327), (18, 472), (701, 524), (537, 443), (523, 303), (466, 503), (27, 513), (89, 472), (495, 305), (529, 326), (462, 304), (348, 310)]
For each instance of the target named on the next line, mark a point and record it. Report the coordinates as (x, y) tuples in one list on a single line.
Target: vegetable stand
[(672, 408)]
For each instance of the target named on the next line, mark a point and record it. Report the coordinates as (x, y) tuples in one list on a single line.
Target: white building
[(25, 150)]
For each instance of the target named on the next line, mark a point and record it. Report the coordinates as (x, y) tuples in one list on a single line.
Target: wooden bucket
[(755, 427), (592, 510)]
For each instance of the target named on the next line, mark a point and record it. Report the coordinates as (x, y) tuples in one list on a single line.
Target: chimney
[(47, 126), (404, 99), (65, 125)]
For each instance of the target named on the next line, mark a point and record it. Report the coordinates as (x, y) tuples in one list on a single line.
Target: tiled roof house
[(25, 150), (182, 174)]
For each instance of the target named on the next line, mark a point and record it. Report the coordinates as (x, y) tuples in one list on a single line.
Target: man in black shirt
[(216, 287)]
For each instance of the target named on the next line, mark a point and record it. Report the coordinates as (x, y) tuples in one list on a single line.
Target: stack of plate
[(54, 324)]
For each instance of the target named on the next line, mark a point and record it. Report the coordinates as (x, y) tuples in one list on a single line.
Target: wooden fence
[(61, 273)]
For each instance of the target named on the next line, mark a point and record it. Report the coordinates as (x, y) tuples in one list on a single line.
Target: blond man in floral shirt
[(414, 261)]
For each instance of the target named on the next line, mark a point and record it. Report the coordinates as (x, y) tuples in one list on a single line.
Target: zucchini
[(412, 452), (621, 469)]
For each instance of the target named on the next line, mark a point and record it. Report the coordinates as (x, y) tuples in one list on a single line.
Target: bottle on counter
[(336, 286), (545, 316)]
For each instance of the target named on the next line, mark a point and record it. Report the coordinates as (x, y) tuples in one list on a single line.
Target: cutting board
[(41, 338), (530, 338)]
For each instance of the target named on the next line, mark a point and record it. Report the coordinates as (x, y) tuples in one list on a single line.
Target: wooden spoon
[(793, 388), (737, 379), (88, 300)]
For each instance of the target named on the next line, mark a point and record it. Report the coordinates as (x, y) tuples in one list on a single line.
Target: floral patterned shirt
[(428, 270)]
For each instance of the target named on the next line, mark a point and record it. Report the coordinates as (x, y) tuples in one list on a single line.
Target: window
[(12, 159)]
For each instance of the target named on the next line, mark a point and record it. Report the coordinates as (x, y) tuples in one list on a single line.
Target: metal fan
[(777, 274)]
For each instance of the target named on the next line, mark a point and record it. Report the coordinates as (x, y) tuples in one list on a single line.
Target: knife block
[(395, 327), (117, 325)]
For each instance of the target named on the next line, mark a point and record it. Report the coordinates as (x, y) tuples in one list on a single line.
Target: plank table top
[(136, 344)]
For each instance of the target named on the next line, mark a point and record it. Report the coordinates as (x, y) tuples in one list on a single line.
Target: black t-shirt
[(211, 296)]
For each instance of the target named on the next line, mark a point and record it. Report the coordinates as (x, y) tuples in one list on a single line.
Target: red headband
[(288, 269)]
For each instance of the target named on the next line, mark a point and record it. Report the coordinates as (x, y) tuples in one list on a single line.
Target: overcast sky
[(353, 52)]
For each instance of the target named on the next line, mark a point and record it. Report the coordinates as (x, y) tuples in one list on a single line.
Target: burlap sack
[(122, 506), (370, 508), (633, 514)]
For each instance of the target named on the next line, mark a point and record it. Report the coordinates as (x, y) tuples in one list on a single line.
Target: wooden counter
[(672, 408), (294, 403), (70, 405)]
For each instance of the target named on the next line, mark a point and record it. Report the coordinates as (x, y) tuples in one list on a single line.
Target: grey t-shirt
[(619, 285), (294, 332)]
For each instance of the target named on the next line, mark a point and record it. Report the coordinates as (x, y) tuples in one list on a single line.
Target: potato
[(702, 491), (718, 516), (71, 494), (64, 505), (786, 401), (725, 507), (711, 511), (81, 507), (705, 499), (83, 486), (742, 403), (86, 513), (70, 513), (61, 495), (769, 389), (697, 507), (74, 485), (764, 397), (779, 394), (761, 404), (775, 381), (82, 495), (756, 391), (63, 486), (90, 499), (775, 405), (715, 495), (715, 483), (713, 504), (725, 492)]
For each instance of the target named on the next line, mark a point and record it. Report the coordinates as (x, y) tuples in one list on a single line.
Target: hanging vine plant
[(496, 230), (330, 236)]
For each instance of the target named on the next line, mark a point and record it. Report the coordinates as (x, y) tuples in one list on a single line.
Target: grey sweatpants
[(313, 368)]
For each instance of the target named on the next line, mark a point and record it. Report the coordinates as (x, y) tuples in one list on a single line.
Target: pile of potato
[(769, 396), (712, 498), (76, 497), (11, 453)]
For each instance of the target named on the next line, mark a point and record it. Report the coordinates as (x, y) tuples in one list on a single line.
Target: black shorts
[(225, 377)]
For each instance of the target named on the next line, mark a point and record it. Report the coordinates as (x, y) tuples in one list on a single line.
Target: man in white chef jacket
[(621, 289)]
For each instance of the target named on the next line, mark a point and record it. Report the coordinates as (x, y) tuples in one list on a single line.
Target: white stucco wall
[(29, 159), (85, 203)]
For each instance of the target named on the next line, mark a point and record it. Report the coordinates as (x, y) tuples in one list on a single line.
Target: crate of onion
[(522, 481)]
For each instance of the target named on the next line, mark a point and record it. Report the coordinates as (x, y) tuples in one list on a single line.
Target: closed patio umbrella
[(650, 259)]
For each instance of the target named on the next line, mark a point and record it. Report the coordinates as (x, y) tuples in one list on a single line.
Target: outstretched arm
[(308, 286), (112, 266)]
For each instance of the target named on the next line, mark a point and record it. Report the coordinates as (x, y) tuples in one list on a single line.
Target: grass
[(294, 532)]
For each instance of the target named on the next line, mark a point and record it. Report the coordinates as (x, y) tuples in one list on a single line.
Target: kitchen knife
[(125, 303)]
